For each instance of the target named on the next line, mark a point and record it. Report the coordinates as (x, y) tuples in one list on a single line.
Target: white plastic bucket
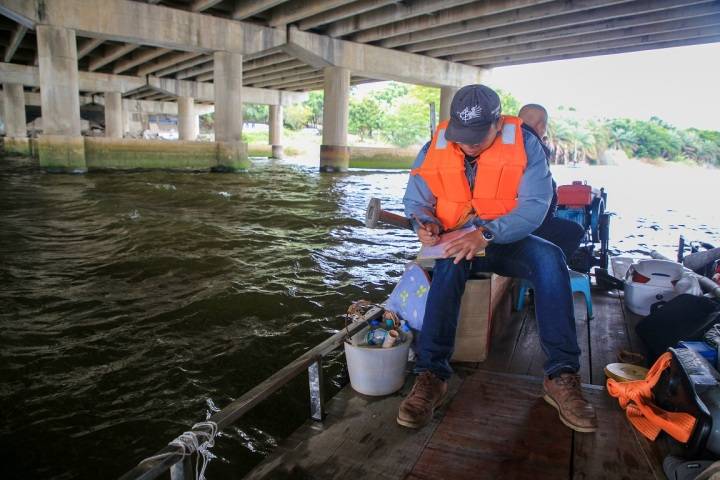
[(377, 371)]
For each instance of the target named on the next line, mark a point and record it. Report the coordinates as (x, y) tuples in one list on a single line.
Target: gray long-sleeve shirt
[(534, 195)]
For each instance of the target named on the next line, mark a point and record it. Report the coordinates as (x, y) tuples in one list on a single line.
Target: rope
[(357, 312), (200, 439)]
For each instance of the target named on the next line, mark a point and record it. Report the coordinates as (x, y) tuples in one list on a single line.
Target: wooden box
[(482, 304)]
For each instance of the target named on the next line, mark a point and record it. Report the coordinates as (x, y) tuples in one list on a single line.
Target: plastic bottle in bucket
[(377, 371), (376, 336)]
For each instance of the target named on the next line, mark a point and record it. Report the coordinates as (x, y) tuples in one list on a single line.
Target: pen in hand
[(424, 227)]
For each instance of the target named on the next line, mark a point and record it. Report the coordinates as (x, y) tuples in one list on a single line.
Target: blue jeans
[(533, 259)]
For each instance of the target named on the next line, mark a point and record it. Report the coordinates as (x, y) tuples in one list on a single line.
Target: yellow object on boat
[(625, 372)]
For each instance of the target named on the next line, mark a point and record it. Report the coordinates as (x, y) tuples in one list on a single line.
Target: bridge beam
[(15, 40), (381, 63), (87, 81), (103, 82), (205, 92), (146, 24)]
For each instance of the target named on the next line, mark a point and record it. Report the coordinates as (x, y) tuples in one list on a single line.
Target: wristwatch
[(487, 234)]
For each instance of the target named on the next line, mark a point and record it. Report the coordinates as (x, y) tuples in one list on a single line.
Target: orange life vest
[(499, 171)]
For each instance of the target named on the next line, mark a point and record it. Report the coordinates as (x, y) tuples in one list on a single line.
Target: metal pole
[(317, 390), (432, 119)]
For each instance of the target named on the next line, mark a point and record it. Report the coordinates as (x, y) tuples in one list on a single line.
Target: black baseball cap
[(472, 110)]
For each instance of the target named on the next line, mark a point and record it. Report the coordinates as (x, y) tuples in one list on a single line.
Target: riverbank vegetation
[(399, 115)]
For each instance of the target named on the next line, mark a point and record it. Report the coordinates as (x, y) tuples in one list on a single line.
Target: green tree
[(387, 95), (315, 104), (573, 140), (425, 95), (207, 121), (254, 113), (622, 135), (655, 140), (510, 104), (365, 117), (647, 139), (297, 116), (406, 124)]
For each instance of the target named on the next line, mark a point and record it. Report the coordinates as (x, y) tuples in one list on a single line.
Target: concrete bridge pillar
[(232, 152), (334, 151), (16, 140), (60, 148), (127, 119), (276, 130), (446, 96), (114, 123), (187, 119)]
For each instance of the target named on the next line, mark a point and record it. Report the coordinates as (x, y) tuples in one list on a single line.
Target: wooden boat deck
[(494, 425)]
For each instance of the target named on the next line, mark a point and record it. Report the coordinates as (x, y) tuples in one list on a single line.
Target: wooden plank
[(516, 344), (528, 357), (614, 451), (504, 337), (609, 334), (497, 426), (359, 438)]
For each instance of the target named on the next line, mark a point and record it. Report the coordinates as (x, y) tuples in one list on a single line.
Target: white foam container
[(376, 371), (639, 297)]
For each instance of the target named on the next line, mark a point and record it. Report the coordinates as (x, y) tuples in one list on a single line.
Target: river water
[(133, 304)]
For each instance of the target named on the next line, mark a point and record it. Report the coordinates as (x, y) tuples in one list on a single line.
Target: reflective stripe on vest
[(499, 171)]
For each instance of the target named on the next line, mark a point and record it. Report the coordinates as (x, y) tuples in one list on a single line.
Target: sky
[(680, 85)]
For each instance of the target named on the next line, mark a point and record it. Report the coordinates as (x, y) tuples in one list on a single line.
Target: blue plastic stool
[(579, 282)]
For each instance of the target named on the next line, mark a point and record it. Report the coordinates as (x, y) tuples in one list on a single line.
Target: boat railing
[(179, 463)]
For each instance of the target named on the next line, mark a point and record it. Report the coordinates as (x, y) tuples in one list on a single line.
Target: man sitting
[(482, 169), (564, 233)]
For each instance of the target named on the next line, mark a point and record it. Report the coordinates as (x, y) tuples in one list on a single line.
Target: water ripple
[(134, 303)]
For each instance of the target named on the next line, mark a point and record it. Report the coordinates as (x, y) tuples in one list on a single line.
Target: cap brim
[(468, 135)]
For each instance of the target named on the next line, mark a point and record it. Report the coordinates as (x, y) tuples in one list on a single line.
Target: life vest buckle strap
[(509, 131), (441, 142)]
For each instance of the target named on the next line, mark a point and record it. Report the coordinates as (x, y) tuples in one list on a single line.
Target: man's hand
[(466, 246), (429, 233)]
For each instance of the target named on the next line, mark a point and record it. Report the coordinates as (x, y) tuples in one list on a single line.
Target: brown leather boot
[(426, 395), (564, 393)]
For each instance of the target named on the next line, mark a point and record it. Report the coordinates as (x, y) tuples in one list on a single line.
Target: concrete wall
[(102, 153), (383, 158), (125, 154)]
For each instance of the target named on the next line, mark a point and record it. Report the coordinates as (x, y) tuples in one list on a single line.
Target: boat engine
[(585, 205)]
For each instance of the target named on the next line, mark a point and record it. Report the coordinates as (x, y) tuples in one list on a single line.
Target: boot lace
[(424, 386), (571, 384)]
